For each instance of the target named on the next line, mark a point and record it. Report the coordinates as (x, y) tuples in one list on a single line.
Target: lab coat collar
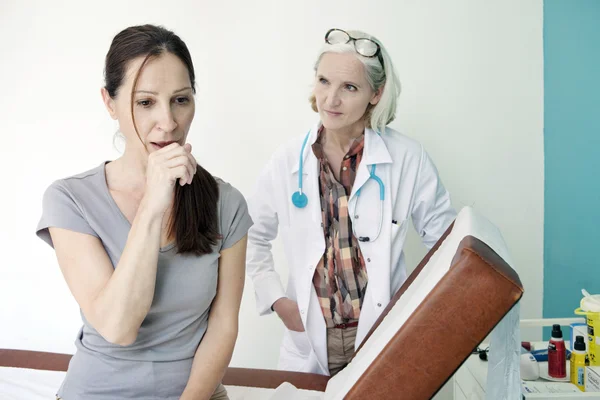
[(375, 151)]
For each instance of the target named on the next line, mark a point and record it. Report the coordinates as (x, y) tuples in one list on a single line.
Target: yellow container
[(593, 325), (578, 368)]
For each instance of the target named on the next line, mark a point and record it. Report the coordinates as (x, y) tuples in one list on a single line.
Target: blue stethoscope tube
[(300, 200)]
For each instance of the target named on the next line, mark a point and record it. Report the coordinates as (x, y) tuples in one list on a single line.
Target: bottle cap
[(579, 343), (556, 331)]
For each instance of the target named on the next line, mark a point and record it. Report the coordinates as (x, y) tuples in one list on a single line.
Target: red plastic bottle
[(557, 354)]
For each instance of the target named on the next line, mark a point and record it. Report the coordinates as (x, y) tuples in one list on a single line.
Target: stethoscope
[(300, 200)]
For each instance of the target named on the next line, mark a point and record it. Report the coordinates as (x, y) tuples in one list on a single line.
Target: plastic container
[(557, 354), (590, 307), (578, 356)]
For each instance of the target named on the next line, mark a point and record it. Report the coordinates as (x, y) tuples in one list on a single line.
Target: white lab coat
[(412, 189)]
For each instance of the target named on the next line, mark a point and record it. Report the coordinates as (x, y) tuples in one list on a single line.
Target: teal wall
[(572, 153)]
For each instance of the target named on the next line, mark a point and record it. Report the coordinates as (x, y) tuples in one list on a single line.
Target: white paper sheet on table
[(32, 384), (287, 391)]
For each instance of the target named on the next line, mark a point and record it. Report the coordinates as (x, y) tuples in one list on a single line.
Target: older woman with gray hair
[(340, 197)]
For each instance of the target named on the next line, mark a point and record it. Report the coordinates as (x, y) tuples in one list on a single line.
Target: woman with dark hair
[(151, 245)]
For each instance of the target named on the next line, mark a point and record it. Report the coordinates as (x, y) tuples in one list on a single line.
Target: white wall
[(472, 94)]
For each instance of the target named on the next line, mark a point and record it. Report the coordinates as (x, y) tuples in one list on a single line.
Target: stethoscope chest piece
[(299, 199)]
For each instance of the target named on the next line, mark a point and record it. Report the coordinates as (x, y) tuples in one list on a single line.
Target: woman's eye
[(144, 103), (182, 100), (351, 88)]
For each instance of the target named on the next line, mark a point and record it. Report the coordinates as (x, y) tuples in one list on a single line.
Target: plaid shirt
[(340, 277)]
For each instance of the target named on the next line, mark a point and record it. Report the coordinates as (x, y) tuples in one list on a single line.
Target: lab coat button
[(368, 260), (302, 311), (378, 304), (356, 216)]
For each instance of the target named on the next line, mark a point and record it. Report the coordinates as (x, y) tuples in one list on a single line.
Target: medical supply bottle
[(578, 363), (557, 354)]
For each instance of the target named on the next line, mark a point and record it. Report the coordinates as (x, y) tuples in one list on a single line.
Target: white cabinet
[(470, 383)]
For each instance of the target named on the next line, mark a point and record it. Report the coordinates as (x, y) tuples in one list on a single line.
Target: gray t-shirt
[(157, 365)]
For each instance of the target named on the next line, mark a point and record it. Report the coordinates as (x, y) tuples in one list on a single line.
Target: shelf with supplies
[(470, 380)]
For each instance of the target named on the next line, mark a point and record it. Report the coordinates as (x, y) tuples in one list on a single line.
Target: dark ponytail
[(194, 221), (195, 214)]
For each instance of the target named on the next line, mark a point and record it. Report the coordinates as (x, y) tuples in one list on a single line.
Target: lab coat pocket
[(398, 231), (298, 343), (397, 239)]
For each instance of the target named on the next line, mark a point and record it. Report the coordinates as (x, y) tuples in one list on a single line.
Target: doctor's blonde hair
[(379, 116)]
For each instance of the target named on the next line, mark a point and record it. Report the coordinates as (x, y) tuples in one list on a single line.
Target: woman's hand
[(166, 166)]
